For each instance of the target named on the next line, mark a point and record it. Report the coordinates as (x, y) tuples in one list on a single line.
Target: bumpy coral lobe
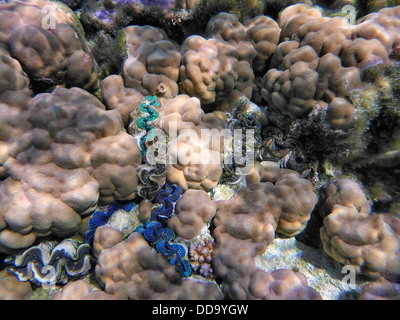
[(80, 290), (352, 235), (320, 61), (117, 97), (14, 95), (211, 71), (54, 54), (134, 270), (74, 154), (192, 213), (12, 289), (362, 240), (380, 291), (152, 60), (274, 200), (202, 163), (344, 192)]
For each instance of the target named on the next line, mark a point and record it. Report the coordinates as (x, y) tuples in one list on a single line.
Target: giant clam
[(51, 262)]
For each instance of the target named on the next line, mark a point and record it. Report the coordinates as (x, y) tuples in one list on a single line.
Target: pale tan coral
[(152, 60), (292, 91), (12, 77), (263, 33), (283, 284), (49, 54), (362, 240), (74, 154), (340, 113), (294, 16), (192, 213), (380, 291), (105, 237), (134, 270), (227, 27), (275, 199), (319, 63), (80, 290), (383, 26), (211, 71), (117, 97), (196, 158), (13, 289), (344, 192), (233, 262)]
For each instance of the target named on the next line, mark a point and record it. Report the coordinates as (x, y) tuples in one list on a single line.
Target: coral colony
[(199, 149)]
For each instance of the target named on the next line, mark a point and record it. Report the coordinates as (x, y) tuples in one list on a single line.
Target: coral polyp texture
[(199, 149), (45, 38)]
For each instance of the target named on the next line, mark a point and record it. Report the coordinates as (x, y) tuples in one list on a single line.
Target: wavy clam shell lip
[(66, 260)]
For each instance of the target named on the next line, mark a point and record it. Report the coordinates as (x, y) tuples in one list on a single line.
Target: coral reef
[(363, 241), (197, 160), (80, 290), (380, 291), (147, 274), (353, 235), (165, 202), (245, 225), (163, 240), (193, 211), (105, 237), (249, 133), (211, 71), (13, 289), (46, 39), (73, 154)]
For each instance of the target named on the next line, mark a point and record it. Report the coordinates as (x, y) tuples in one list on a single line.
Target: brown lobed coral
[(13, 289), (353, 235), (195, 153), (134, 270), (152, 66), (275, 199), (211, 71), (192, 213), (362, 240), (80, 290), (73, 154), (320, 61), (380, 291), (45, 38)]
